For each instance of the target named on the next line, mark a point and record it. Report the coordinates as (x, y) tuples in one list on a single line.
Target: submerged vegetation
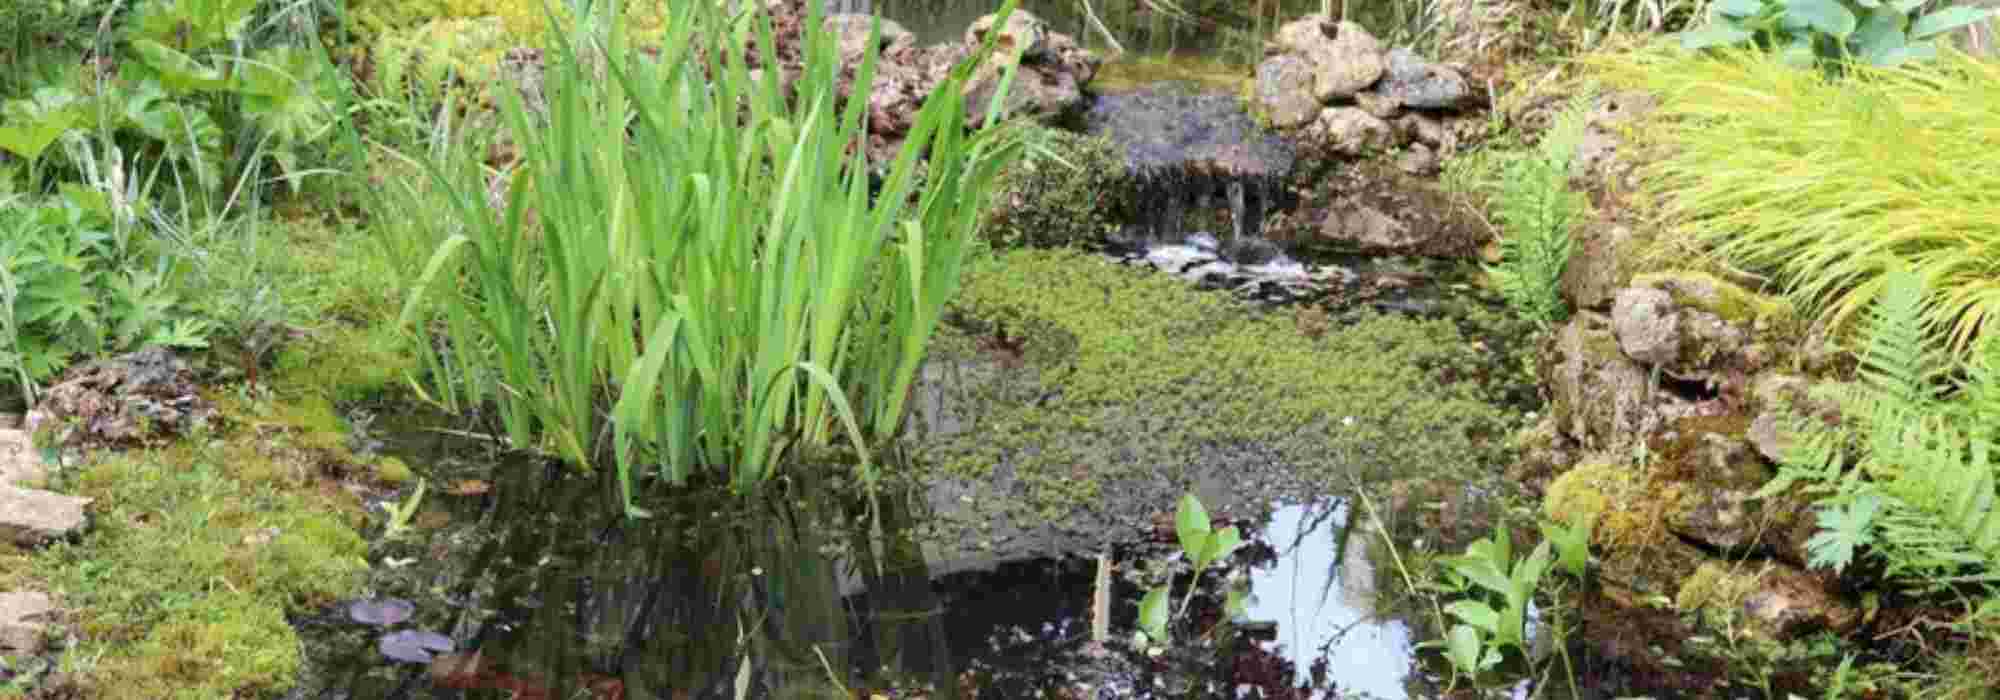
[(1109, 372)]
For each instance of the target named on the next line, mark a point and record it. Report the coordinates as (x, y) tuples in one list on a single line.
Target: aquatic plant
[(716, 283), (408, 646), (1203, 546)]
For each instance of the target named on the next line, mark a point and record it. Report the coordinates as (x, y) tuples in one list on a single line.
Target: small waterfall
[(1205, 177)]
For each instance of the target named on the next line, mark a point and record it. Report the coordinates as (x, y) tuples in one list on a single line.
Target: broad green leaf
[(1220, 544), (1191, 526), (1464, 647), (1827, 16), (179, 72), (1739, 8), (27, 141), (1946, 20), (1477, 614), (1881, 31), (1906, 6), (1714, 35), (1904, 54), (1153, 613)]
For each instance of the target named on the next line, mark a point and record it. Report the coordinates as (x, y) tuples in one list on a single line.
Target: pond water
[(1321, 592), (545, 592)]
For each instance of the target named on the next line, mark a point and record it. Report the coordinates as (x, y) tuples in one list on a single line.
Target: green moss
[(1121, 372), (222, 644), (1715, 587), (1626, 504), (1707, 292), (1050, 202), (181, 587), (345, 363)]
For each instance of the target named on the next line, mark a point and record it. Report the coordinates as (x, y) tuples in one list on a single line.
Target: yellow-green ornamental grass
[(1826, 182)]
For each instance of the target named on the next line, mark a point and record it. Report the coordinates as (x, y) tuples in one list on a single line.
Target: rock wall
[(1666, 393)]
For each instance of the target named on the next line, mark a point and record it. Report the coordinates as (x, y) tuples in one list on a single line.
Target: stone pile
[(1334, 83)]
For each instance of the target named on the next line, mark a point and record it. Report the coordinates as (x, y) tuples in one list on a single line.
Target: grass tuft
[(1826, 184)]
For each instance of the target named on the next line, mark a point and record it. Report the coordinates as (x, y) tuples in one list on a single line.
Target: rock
[(1730, 301), (1607, 255), (1048, 87), (1303, 35), (1426, 129), (1648, 328), (24, 617), (1596, 157), (125, 400), (19, 464), (1346, 64), (1417, 159), (851, 30), (1769, 436), (1777, 601), (1024, 33), (1381, 107), (1417, 83), (1723, 471), (1599, 397), (1353, 132), (30, 517), (1384, 211), (1284, 91), (1367, 228)]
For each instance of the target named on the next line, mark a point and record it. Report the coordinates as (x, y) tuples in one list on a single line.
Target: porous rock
[(1598, 395), (1284, 91), (1647, 326), (1352, 131), (24, 621), (1345, 64)]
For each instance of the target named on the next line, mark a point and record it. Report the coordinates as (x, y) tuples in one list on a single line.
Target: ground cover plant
[(714, 282), (1789, 173), (127, 161)]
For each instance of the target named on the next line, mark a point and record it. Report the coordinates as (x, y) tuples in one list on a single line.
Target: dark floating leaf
[(381, 611), (413, 646)]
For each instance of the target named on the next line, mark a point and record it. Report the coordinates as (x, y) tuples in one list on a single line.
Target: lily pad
[(414, 646), (381, 611)]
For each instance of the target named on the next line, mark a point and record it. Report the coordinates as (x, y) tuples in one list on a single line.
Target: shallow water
[(1321, 593)]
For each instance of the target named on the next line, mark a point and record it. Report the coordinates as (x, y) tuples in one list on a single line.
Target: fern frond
[(1894, 365), (1944, 518)]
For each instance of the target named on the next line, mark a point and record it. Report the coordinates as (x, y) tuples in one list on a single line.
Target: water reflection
[(1321, 594)]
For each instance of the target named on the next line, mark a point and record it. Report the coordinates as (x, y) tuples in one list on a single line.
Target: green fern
[(1535, 208), (1939, 518)]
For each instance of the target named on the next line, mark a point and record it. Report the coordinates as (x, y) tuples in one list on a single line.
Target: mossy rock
[(1710, 293), (1074, 198)]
